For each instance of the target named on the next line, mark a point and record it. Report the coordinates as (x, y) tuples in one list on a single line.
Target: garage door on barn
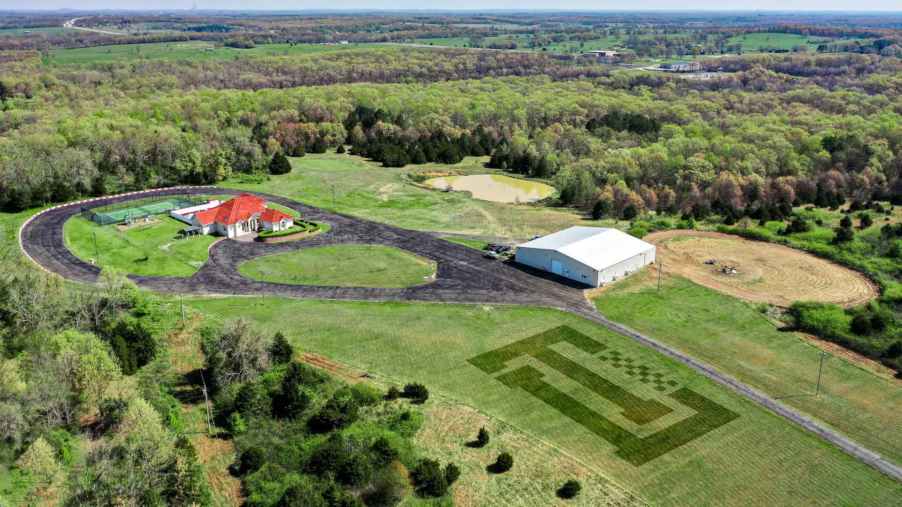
[(590, 255)]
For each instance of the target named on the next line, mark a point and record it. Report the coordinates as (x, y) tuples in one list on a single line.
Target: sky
[(745, 5)]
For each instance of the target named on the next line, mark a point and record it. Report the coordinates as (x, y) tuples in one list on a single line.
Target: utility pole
[(333, 195), (96, 252), (820, 369), (182, 308), (660, 268), (207, 405)]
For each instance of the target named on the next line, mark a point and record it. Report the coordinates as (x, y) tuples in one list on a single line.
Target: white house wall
[(625, 268)]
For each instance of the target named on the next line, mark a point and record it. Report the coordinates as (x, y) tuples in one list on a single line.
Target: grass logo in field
[(635, 449)]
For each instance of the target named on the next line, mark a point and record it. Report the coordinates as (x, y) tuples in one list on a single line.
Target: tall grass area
[(756, 459), (737, 339)]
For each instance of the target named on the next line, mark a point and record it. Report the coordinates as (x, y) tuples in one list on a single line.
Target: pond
[(494, 187)]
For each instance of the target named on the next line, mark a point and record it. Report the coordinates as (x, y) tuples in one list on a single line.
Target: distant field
[(732, 336), (753, 42), (26, 31), (342, 265), (754, 459), (151, 250), (189, 50)]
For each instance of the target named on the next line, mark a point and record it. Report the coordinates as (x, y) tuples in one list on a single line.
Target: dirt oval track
[(764, 272)]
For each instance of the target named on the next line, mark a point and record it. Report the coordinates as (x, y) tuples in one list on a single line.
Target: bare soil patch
[(757, 271)]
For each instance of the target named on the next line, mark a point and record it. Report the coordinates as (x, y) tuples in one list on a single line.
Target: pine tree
[(279, 164)]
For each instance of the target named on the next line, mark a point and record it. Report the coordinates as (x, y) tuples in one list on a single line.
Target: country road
[(71, 24), (463, 276)]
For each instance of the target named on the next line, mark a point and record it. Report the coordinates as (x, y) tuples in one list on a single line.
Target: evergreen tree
[(281, 352), (279, 164)]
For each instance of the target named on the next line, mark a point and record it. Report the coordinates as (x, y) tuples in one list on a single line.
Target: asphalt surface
[(463, 276)]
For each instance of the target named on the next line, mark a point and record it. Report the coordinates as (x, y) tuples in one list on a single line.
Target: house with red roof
[(239, 216)]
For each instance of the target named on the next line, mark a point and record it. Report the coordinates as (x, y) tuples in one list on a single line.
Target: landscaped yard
[(343, 266), (151, 250), (753, 459), (735, 338)]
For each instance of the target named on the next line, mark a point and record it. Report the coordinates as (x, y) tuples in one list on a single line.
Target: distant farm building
[(590, 255), (682, 67), (244, 214)]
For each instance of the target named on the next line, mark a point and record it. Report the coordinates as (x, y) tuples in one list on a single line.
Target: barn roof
[(596, 247)]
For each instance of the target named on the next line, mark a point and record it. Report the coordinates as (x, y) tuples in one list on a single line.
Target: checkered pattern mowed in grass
[(637, 450)]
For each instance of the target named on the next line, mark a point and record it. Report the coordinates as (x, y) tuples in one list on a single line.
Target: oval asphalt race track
[(463, 276)]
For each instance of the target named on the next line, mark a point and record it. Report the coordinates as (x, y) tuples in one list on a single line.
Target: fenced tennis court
[(130, 211)]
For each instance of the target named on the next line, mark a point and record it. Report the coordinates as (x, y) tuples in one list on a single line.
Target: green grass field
[(735, 338), (754, 42), (189, 50), (151, 250), (753, 459), (384, 194), (343, 266)]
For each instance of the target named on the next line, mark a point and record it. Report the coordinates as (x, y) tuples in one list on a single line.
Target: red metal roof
[(233, 211), (274, 215)]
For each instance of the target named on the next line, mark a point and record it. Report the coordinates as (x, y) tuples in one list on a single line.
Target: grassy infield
[(755, 458)]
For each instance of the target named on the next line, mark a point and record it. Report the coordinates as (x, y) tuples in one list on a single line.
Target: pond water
[(494, 187)]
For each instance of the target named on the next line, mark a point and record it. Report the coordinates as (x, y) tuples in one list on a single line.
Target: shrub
[(846, 222), (237, 425), (865, 220), (429, 479), (383, 452), (250, 461), (340, 411), (893, 351), (861, 325), (482, 437), (393, 393), (279, 164), (569, 490), (291, 401), (341, 149), (452, 473), (365, 394), (416, 393), (252, 399), (502, 464), (822, 319), (843, 235), (280, 352)]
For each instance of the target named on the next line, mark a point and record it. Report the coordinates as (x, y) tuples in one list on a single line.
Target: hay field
[(764, 272)]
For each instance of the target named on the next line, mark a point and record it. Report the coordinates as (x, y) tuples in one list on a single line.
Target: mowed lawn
[(755, 459), (150, 250), (732, 336), (186, 50), (353, 185), (342, 266)]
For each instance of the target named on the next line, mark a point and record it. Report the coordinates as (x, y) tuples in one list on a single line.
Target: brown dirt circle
[(765, 272)]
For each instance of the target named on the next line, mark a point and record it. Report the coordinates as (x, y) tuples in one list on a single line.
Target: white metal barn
[(591, 255)]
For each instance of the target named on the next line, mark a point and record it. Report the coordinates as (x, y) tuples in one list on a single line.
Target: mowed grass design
[(756, 459), (636, 450), (150, 250), (735, 338), (342, 266)]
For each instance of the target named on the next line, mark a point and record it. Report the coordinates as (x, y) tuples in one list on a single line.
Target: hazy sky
[(856, 5)]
